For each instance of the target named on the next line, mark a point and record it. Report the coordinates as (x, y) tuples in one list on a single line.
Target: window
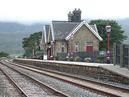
[(77, 46), (63, 47)]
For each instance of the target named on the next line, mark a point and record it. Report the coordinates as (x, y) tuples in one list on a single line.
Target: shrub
[(77, 58), (3, 54), (100, 59), (87, 60)]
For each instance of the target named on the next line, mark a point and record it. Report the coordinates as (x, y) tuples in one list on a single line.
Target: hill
[(11, 35)]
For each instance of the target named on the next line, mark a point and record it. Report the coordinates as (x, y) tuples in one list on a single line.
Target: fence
[(121, 55), (82, 55)]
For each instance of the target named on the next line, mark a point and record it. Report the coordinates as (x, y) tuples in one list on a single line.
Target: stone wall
[(58, 47), (84, 71), (82, 36)]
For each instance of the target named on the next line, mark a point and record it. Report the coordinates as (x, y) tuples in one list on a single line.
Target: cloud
[(36, 10)]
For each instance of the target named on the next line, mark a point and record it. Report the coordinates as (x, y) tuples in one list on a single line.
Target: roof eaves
[(53, 36), (79, 26), (93, 31), (73, 31), (48, 34), (45, 34)]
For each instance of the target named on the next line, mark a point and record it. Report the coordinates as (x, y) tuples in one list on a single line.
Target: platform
[(94, 70), (117, 69), (79, 63), (69, 62)]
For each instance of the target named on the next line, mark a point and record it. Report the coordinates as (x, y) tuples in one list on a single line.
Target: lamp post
[(108, 30)]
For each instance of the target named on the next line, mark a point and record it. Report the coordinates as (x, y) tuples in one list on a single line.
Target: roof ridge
[(58, 21), (47, 25), (65, 21)]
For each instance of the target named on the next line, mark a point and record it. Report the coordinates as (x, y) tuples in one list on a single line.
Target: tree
[(3, 54), (31, 44), (116, 35)]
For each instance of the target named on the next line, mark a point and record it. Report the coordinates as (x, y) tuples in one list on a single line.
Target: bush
[(3, 54), (100, 59), (77, 58), (87, 60)]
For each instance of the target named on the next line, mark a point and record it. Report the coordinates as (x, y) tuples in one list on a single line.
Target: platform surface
[(117, 69), (70, 62)]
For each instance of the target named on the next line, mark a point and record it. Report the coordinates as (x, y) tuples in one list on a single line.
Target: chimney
[(74, 16), (70, 15)]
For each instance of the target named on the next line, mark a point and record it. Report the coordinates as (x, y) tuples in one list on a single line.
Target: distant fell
[(10, 27), (11, 35)]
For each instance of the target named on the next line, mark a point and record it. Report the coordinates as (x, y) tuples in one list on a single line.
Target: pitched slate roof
[(59, 30), (47, 27), (44, 35), (88, 26), (62, 28), (94, 27)]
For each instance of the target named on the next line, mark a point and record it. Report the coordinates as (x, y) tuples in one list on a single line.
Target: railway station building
[(74, 35)]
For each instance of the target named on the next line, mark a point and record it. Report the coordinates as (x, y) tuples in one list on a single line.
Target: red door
[(89, 48)]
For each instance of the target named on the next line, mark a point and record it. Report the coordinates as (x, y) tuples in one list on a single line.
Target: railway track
[(119, 86), (7, 86), (29, 87), (99, 88), (13, 82), (68, 88)]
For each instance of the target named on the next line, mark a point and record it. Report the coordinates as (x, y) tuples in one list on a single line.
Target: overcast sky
[(47, 10)]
